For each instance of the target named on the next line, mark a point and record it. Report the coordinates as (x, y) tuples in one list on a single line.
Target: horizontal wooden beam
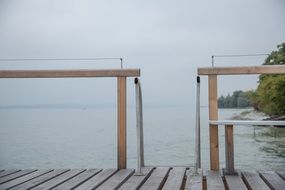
[(69, 73), (268, 69), (246, 122)]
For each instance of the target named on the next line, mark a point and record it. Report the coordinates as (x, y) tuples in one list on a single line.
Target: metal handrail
[(139, 118), (197, 129)]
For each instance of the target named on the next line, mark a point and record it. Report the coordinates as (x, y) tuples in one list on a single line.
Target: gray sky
[(168, 40)]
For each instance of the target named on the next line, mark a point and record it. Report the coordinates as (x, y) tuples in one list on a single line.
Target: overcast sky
[(167, 40)]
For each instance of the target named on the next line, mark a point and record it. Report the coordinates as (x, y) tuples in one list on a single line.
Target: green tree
[(270, 94)]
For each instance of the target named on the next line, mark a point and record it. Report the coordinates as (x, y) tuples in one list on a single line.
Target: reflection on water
[(84, 138), (272, 140)]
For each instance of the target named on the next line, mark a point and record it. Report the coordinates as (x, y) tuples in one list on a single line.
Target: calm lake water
[(86, 138)]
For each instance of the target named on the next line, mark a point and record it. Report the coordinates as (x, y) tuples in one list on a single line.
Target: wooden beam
[(69, 73), (213, 129), (229, 150), (122, 123), (268, 69)]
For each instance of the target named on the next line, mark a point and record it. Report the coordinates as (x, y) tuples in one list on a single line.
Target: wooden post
[(122, 124), (213, 129), (229, 149)]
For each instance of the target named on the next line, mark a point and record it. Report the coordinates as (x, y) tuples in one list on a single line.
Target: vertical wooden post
[(213, 129), (122, 123), (229, 146)]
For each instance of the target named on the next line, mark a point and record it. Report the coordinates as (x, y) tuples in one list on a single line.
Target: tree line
[(269, 97), (239, 99)]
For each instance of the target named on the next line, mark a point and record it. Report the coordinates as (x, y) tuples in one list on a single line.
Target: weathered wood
[(135, 181), (78, 180), (122, 123), (97, 180), (235, 182), (214, 181), (69, 73), (281, 174), (273, 180), (59, 180), (246, 122), (39, 180), (268, 69), (23, 179), (253, 181), (156, 179), (15, 175), (175, 179), (8, 172), (194, 181), (117, 179), (229, 149), (213, 130)]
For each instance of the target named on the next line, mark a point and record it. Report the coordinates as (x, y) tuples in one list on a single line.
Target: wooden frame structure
[(121, 75), (212, 73)]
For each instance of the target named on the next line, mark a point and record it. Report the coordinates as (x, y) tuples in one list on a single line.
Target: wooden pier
[(165, 178)]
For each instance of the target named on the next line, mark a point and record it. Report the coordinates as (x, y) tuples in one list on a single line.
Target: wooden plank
[(253, 181), (281, 174), (229, 152), (59, 180), (194, 181), (235, 182), (69, 73), (23, 179), (213, 115), (273, 180), (117, 179), (78, 180), (122, 123), (39, 180), (15, 175), (214, 181), (246, 122), (266, 69), (97, 180), (175, 179), (8, 172), (135, 181), (156, 179)]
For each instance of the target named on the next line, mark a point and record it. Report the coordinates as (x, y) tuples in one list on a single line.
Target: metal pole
[(139, 116), (197, 129)]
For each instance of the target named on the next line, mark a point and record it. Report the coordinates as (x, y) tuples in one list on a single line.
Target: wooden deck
[(165, 178)]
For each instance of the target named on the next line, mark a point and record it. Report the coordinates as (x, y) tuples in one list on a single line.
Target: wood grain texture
[(97, 180), (58, 180), (156, 179), (122, 123), (175, 179), (266, 69), (69, 73), (78, 180), (254, 181), (194, 181), (273, 180), (15, 175), (39, 180), (117, 179), (136, 181), (8, 172), (23, 179), (215, 181), (235, 182), (229, 149), (213, 129)]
